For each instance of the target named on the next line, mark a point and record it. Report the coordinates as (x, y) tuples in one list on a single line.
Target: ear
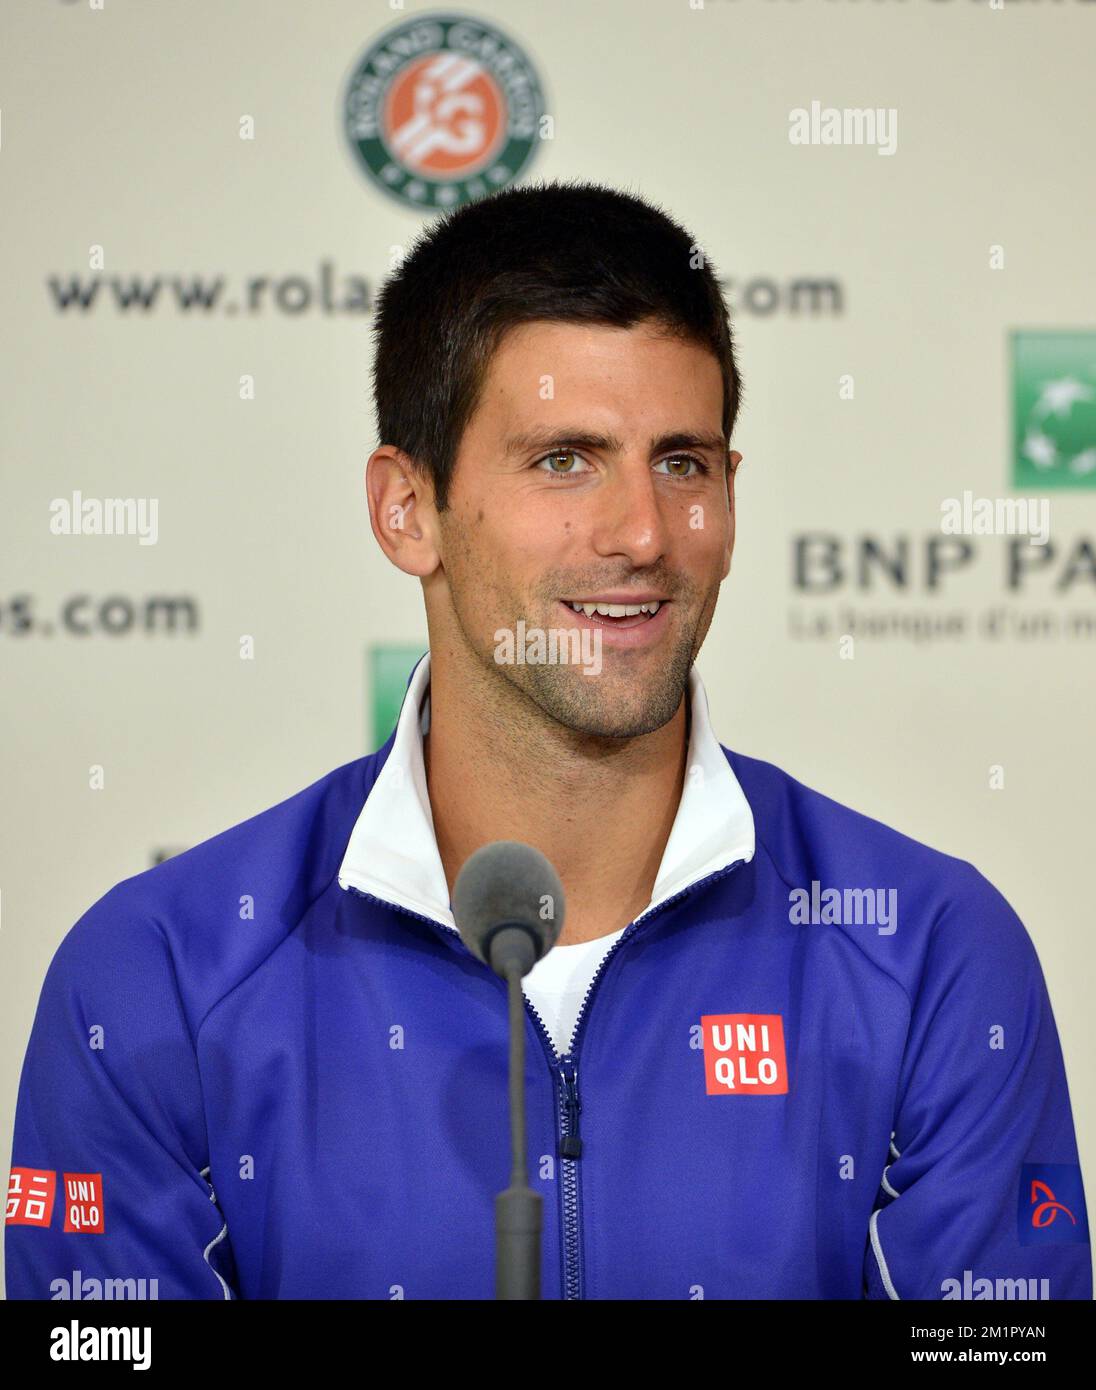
[(401, 511), (735, 460)]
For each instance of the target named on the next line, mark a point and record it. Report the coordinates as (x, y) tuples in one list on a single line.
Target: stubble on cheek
[(480, 606)]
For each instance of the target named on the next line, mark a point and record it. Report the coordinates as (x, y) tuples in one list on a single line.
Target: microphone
[(508, 906)]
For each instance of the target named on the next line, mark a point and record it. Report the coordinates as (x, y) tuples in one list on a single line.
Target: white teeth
[(618, 610)]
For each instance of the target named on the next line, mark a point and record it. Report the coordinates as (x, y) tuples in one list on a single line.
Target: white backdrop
[(120, 128)]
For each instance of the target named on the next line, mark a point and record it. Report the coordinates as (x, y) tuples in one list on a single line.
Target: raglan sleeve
[(108, 1193), (982, 1196)]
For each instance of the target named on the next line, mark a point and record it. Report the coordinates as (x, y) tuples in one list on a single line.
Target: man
[(781, 1050)]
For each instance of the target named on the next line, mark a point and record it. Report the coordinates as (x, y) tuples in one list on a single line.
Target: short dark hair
[(572, 252)]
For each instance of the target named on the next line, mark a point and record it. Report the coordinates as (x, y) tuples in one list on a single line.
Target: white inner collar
[(393, 854)]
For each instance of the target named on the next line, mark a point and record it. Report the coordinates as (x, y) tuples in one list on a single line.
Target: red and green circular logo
[(442, 110)]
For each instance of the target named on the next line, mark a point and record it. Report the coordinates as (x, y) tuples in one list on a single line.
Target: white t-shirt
[(557, 985)]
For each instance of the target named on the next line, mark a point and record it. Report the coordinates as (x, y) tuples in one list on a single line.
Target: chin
[(603, 712)]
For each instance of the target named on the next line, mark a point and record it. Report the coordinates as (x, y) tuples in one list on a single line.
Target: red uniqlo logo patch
[(744, 1055), (84, 1202), (30, 1197)]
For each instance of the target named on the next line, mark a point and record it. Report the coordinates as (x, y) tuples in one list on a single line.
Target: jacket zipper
[(565, 1070)]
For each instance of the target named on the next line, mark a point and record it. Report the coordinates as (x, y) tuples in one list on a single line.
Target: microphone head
[(508, 884)]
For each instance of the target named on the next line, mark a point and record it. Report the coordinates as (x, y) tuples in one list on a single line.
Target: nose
[(630, 519)]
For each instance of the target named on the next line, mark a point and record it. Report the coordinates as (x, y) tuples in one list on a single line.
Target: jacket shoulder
[(803, 829), (944, 908), (210, 915)]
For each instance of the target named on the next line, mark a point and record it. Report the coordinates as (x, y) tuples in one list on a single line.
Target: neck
[(601, 810)]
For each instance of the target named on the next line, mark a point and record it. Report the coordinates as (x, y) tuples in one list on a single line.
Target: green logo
[(443, 110), (389, 670), (1054, 409)]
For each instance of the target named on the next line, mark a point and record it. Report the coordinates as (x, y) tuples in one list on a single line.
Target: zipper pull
[(571, 1140)]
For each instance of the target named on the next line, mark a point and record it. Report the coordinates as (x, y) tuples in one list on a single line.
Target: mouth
[(622, 615), (621, 624)]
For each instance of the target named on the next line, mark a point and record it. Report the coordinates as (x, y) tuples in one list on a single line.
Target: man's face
[(581, 475)]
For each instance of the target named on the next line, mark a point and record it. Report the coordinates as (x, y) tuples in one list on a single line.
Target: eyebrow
[(547, 441)]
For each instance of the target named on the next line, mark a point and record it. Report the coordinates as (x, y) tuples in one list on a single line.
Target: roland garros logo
[(443, 110)]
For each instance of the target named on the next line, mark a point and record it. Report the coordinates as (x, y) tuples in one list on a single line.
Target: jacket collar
[(393, 854)]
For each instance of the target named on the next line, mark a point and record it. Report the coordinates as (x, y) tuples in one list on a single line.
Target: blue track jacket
[(822, 1064)]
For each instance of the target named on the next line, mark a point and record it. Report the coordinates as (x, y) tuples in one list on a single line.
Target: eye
[(560, 472), (557, 454), (686, 458)]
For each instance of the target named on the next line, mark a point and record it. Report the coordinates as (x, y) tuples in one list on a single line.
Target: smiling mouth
[(619, 615)]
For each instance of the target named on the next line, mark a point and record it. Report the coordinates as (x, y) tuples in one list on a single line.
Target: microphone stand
[(518, 1210)]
